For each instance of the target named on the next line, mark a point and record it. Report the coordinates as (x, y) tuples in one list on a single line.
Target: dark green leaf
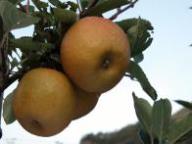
[(73, 6), (57, 3), (186, 139), (180, 128), (13, 18), (139, 34), (31, 8), (65, 16), (8, 114), (107, 5), (84, 3), (186, 104), (161, 116), (40, 5), (136, 72), (14, 63), (143, 111), (145, 137), (28, 45), (138, 58), (15, 1)]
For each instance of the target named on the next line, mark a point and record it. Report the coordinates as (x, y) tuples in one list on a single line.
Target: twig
[(10, 80), (86, 11), (27, 7), (92, 4), (22, 7), (3, 40), (119, 11)]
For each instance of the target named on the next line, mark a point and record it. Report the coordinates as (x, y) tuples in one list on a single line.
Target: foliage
[(50, 21)]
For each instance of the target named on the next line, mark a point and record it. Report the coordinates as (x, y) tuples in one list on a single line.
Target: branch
[(86, 11), (10, 80), (119, 11), (22, 8), (92, 4)]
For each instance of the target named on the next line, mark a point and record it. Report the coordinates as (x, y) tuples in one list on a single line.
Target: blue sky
[(167, 64)]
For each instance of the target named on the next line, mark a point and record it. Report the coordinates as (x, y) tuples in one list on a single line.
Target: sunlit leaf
[(136, 72), (8, 114), (13, 18)]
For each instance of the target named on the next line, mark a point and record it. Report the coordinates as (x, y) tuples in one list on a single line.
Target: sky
[(167, 64)]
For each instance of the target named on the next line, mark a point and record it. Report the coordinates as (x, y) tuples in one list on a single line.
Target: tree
[(51, 20)]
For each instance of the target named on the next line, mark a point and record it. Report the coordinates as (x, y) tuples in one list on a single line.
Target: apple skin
[(44, 102), (85, 103), (95, 54)]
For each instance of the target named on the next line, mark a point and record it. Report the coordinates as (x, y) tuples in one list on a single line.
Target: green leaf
[(180, 128), (186, 104), (40, 4), (13, 18), (136, 72), (57, 3), (84, 3), (8, 114), (15, 1), (186, 139), (65, 16), (161, 116), (139, 34), (107, 5), (139, 58), (143, 111), (28, 45)]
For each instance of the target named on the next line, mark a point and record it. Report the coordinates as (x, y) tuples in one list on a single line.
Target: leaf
[(161, 116), (57, 3), (139, 34), (65, 16), (15, 1), (107, 5), (145, 137), (28, 45), (84, 3), (143, 111), (180, 128), (8, 114), (13, 18), (40, 4), (185, 104), (136, 72), (139, 58)]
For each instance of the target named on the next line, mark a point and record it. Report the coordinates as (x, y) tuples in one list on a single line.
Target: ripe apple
[(95, 53), (44, 102), (85, 103)]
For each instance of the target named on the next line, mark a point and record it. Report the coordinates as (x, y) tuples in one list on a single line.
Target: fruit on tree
[(86, 102), (95, 53), (44, 102)]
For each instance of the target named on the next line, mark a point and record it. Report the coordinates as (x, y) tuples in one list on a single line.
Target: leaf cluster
[(157, 125)]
